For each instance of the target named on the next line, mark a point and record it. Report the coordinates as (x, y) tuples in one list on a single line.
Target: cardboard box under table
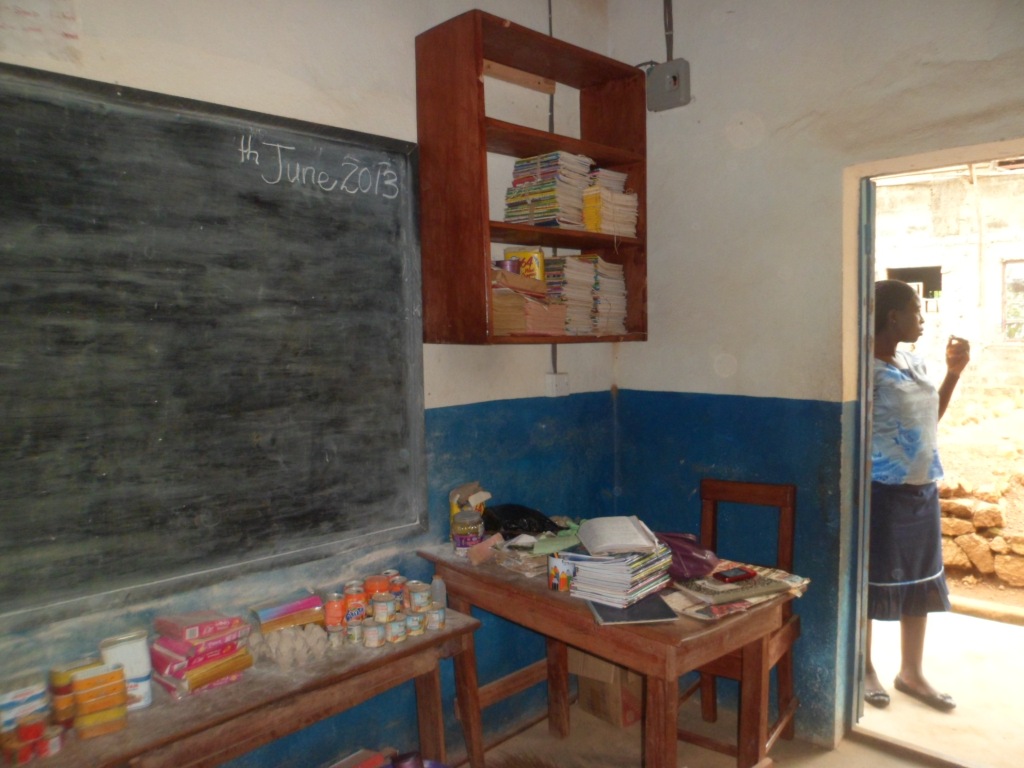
[(608, 691)]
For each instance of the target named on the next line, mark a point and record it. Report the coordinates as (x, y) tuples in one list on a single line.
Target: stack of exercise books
[(595, 296), (198, 651), (608, 212), (609, 299), (547, 190), (578, 292), (624, 562)]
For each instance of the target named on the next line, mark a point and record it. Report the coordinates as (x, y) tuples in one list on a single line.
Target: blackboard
[(210, 344)]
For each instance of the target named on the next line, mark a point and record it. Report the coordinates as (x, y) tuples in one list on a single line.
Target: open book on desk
[(616, 535)]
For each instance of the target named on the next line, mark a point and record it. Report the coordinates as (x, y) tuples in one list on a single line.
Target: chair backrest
[(780, 496)]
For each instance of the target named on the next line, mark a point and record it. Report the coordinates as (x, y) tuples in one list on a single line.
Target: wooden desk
[(660, 652), (267, 703)]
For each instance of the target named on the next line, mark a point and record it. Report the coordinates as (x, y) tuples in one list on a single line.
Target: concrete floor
[(985, 730), (980, 663)]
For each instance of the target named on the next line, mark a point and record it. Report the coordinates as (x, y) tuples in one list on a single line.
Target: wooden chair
[(783, 499)]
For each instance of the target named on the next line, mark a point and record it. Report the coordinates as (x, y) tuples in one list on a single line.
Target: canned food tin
[(415, 623), (355, 604), (419, 596), (354, 632), (334, 612), (397, 586), (396, 632), (384, 607), (373, 634), (131, 651), (435, 616)]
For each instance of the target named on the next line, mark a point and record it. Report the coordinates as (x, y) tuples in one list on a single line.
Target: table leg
[(558, 688), (753, 714), (467, 694), (430, 715), (661, 714)]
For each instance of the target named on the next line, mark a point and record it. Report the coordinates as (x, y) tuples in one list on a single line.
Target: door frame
[(857, 333)]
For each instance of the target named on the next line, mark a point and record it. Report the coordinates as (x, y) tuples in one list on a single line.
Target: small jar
[(467, 531)]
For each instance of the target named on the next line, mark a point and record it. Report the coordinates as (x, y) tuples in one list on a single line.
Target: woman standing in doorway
[(906, 580)]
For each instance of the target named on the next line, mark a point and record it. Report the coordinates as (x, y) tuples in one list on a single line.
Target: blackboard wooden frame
[(211, 344)]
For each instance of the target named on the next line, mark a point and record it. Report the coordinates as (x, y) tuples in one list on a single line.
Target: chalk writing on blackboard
[(278, 164), (211, 349)]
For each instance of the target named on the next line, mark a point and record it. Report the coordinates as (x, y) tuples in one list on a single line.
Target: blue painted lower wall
[(625, 452)]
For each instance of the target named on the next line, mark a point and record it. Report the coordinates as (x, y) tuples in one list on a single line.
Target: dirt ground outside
[(981, 443)]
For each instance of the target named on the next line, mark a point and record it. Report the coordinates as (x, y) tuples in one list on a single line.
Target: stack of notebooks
[(621, 580), (547, 190), (578, 292), (595, 296), (625, 562), (198, 651), (611, 213), (609, 299)]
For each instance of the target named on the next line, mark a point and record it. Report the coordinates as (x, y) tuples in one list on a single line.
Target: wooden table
[(211, 728), (660, 652)]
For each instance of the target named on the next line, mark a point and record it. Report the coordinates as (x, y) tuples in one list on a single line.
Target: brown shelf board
[(522, 48), (524, 234), (519, 141), (524, 339)]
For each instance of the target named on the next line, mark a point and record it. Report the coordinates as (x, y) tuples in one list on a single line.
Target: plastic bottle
[(438, 591)]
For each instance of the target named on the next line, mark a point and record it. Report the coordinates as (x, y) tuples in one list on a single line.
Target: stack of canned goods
[(383, 608)]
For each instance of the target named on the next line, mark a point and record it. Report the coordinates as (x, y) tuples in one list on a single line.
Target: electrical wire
[(668, 30)]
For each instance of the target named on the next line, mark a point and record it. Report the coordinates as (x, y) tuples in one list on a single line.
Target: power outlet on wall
[(557, 384)]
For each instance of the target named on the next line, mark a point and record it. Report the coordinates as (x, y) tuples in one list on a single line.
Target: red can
[(376, 583), (334, 612)]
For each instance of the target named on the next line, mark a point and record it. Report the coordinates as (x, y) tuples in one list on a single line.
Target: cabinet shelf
[(455, 136), (519, 141), (556, 237)]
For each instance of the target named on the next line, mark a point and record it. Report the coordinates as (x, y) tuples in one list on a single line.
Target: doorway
[(955, 231)]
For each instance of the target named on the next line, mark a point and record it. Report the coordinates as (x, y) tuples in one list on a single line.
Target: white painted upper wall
[(745, 237), (745, 223)]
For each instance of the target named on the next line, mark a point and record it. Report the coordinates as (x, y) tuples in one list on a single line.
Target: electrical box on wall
[(668, 85)]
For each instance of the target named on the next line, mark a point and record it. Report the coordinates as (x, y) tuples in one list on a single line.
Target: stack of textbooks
[(547, 190), (198, 651)]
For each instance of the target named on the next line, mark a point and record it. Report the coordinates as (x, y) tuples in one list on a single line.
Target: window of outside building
[(1013, 300)]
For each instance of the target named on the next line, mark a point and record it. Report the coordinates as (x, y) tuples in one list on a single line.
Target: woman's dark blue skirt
[(905, 572)]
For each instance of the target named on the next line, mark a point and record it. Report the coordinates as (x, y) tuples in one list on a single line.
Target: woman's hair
[(890, 295)]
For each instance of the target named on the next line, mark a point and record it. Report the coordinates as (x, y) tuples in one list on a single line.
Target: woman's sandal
[(878, 698), (940, 701)]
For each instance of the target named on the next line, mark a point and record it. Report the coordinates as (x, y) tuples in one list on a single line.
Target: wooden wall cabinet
[(455, 136)]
